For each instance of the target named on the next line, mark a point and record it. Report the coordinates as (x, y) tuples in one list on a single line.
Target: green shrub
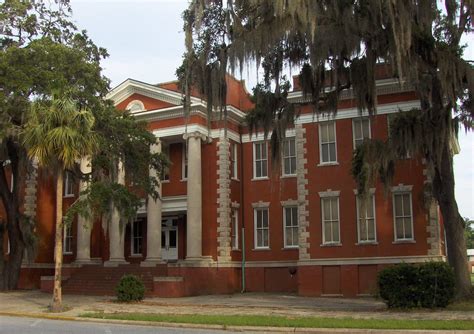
[(427, 285), (436, 284), (398, 285), (130, 288)]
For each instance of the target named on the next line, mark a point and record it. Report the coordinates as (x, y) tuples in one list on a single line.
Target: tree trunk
[(453, 223), (12, 267), (12, 202), (56, 305), (2, 255), (17, 249)]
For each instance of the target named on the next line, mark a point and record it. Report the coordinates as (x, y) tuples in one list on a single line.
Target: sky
[(145, 41)]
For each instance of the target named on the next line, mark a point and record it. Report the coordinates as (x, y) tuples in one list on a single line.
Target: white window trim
[(65, 236), (321, 163), (329, 193), (284, 226), (354, 120), (165, 149), (235, 215), (255, 239), (389, 116), (135, 103), (283, 159), (235, 160), (265, 145), (359, 241), (132, 238), (8, 245), (184, 175), (402, 192), (330, 243), (67, 176)]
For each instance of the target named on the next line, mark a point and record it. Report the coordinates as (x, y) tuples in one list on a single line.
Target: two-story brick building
[(229, 219)]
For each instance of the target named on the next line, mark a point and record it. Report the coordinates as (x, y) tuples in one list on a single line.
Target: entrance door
[(169, 240)]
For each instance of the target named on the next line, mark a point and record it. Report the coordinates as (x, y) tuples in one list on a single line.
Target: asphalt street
[(17, 325)]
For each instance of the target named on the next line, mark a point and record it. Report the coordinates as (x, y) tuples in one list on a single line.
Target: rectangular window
[(402, 215), (360, 130), (289, 156), (235, 229), (260, 160), (67, 239), (68, 185), (330, 218), (185, 163), (290, 223), (366, 224), (137, 237), (327, 140), (262, 230), (405, 155), (233, 160), (165, 171)]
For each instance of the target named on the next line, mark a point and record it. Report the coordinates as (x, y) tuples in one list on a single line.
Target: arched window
[(135, 106)]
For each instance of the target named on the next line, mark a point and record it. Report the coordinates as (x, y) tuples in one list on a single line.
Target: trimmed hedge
[(426, 285), (130, 288)]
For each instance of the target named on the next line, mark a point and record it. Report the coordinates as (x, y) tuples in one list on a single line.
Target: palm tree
[(59, 133)]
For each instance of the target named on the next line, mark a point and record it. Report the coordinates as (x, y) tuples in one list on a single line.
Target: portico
[(158, 216)]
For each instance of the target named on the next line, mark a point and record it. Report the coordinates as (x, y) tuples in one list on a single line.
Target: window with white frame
[(137, 238), (233, 160), (289, 156), (405, 155), (68, 185), (165, 170), (260, 160), (235, 229), (360, 130), (290, 223), (135, 106), (330, 218), (262, 229), (403, 216), (185, 163), (366, 229), (67, 239), (327, 142)]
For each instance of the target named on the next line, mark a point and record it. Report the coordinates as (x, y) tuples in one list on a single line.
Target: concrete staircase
[(100, 280)]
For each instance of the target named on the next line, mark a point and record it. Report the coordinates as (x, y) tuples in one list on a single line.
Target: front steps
[(100, 280)]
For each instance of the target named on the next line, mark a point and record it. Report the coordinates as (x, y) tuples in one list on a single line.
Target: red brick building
[(226, 209)]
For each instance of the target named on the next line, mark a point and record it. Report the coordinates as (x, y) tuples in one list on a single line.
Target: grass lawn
[(472, 279), (279, 321)]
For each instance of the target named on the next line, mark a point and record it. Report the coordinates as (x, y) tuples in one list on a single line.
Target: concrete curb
[(224, 327)]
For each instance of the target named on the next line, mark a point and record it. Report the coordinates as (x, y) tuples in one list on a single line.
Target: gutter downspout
[(242, 206)]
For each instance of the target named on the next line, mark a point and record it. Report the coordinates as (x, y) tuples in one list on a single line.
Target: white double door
[(169, 239)]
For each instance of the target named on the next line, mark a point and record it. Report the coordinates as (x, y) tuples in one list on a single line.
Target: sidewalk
[(29, 303)]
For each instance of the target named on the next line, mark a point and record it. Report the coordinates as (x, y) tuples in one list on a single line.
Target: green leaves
[(59, 133)]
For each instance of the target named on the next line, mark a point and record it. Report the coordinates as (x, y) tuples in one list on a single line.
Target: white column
[(117, 233), (194, 185), (84, 226), (153, 230)]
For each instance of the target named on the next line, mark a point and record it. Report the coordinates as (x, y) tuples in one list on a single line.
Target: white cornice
[(387, 108), (130, 86), (181, 130), (383, 87)]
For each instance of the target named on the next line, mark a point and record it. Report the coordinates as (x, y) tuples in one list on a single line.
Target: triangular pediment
[(131, 86)]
